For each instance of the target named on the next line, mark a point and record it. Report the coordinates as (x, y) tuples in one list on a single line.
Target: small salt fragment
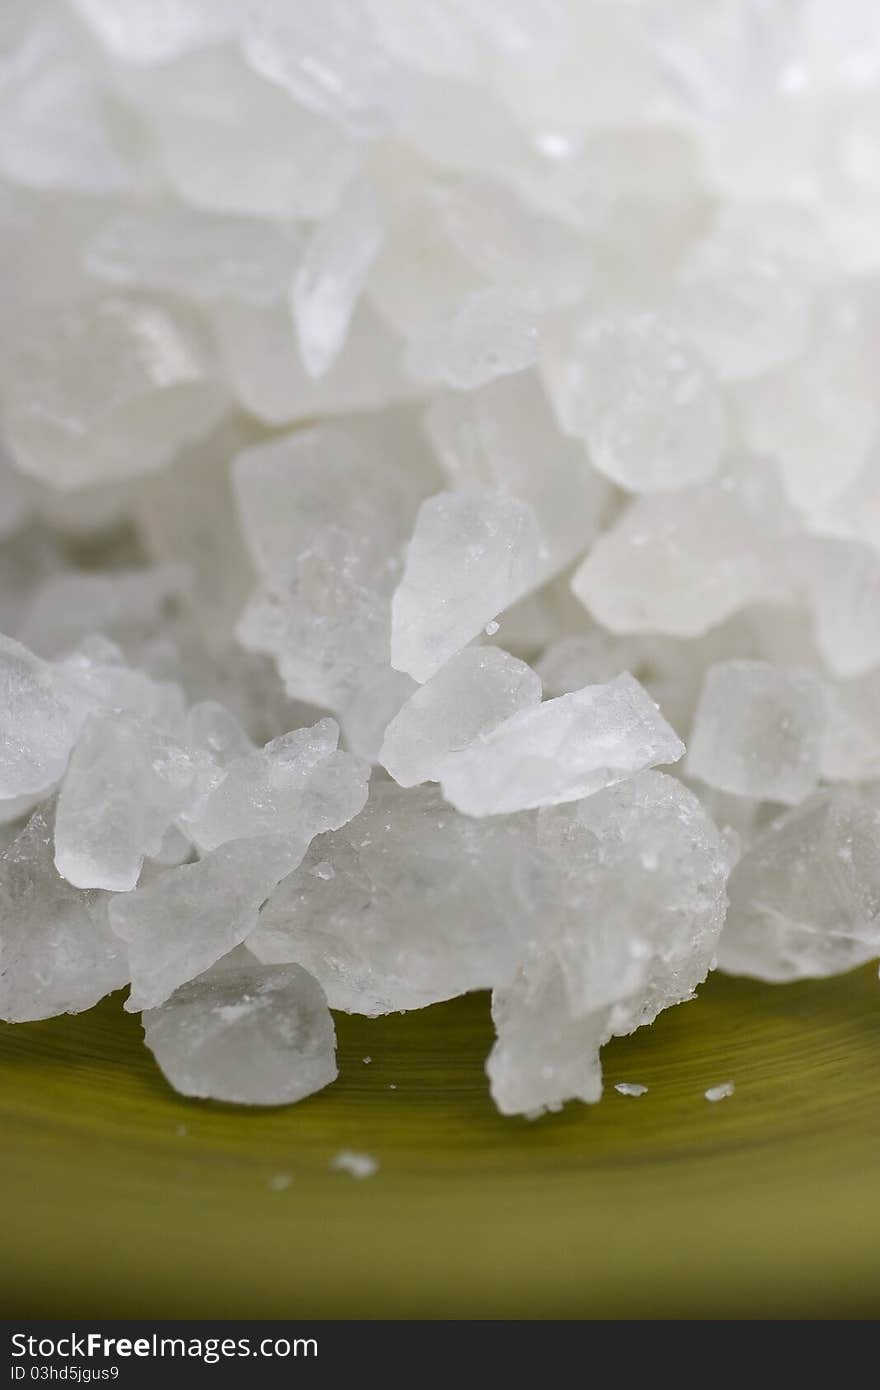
[(472, 554), (359, 1165), (491, 335), (630, 1088), (491, 628), (366, 1060), (280, 1182), (721, 1092)]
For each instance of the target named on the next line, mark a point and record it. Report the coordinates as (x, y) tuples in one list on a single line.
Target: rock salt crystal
[(417, 422)]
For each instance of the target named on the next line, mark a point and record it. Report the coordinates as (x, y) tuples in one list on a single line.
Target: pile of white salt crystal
[(439, 517)]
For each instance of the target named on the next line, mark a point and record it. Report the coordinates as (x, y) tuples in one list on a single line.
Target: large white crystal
[(247, 1033), (472, 554), (632, 927), (186, 918), (758, 731), (494, 436), (125, 784), (229, 141), (561, 750), (57, 953), (108, 389), (741, 304), (682, 562), (44, 705), (408, 904), (643, 401), (468, 697), (805, 898)]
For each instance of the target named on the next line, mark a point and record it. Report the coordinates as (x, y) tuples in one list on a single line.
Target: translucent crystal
[(123, 606), (683, 562), (851, 744), (494, 435), (108, 389), (758, 731), (741, 304), (468, 697), (490, 335), (804, 898), (298, 785), (510, 243), (842, 579), (247, 1033), (194, 254), (561, 750), (229, 141), (44, 705), (42, 712), (632, 928), (532, 1021), (57, 953), (331, 275), (261, 356), (643, 401), (124, 786), (359, 1165), (822, 403), (146, 31), (472, 554), (56, 131), (422, 904), (325, 521), (181, 922), (327, 56)]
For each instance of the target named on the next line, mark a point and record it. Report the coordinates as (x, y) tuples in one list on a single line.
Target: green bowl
[(122, 1199)]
